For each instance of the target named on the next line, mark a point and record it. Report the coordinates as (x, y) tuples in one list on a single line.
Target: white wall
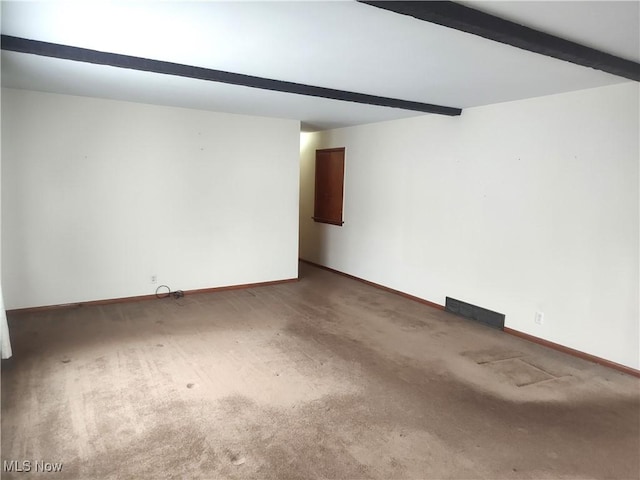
[(98, 195), (516, 207)]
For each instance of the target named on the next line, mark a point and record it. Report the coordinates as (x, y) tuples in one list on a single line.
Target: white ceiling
[(343, 45), (609, 26)]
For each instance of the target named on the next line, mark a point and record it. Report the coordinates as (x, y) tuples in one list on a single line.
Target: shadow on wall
[(316, 243), (312, 236)]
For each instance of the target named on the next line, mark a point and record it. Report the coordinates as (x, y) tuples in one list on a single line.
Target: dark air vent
[(482, 315)]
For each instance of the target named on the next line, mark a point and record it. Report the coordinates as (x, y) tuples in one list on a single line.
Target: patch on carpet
[(516, 367), (552, 367), (492, 355), (517, 372)]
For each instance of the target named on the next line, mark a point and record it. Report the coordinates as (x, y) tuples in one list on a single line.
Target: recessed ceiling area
[(340, 45)]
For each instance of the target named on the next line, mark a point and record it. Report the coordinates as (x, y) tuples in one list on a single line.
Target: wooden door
[(329, 186)]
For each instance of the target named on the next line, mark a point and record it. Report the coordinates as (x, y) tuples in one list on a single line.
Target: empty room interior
[(337, 239)]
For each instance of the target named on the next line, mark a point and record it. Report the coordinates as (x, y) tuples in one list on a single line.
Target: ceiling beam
[(65, 52), (470, 20)]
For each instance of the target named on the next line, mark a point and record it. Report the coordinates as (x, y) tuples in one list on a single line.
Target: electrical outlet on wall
[(154, 278), (539, 318)]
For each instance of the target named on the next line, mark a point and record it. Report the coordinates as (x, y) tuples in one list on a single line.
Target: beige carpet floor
[(322, 378)]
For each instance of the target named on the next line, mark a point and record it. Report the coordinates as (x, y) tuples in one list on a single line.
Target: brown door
[(329, 186)]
